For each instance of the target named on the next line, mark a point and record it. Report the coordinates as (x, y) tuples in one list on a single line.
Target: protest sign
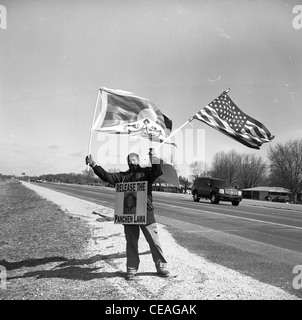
[(131, 203)]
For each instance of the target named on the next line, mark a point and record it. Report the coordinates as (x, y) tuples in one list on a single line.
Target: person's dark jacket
[(149, 174)]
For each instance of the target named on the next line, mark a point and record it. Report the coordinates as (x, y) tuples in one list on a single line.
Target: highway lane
[(260, 242)]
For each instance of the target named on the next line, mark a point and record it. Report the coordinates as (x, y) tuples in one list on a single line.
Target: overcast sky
[(56, 54)]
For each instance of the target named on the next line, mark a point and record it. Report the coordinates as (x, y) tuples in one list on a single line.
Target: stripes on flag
[(123, 112), (223, 115)]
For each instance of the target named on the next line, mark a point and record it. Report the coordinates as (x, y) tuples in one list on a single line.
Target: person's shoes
[(131, 275), (161, 270)]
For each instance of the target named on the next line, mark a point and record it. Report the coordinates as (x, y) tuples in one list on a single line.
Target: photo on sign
[(130, 203)]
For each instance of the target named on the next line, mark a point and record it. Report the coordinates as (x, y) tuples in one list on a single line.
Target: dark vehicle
[(281, 199), (215, 190)]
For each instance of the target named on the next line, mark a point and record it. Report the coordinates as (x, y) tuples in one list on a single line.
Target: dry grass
[(42, 248)]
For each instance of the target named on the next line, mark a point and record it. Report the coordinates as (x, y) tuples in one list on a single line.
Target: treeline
[(86, 177), (241, 170), (283, 168), (80, 178)]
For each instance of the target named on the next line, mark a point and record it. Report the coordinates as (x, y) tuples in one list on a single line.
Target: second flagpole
[(171, 135)]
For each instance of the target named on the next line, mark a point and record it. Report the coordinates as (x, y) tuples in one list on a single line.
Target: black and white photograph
[(194, 104), (130, 203)]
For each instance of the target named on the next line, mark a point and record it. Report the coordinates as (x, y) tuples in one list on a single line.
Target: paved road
[(264, 243)]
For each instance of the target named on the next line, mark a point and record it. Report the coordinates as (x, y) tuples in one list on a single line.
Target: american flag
[(123, 112), (223, 115)]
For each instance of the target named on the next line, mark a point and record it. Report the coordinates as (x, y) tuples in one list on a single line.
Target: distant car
[(216, 190), (281, 199)]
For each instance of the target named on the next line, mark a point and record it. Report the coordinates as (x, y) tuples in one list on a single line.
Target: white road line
[(226, 215), (230, 216)]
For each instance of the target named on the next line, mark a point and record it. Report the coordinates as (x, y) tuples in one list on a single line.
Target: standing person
[(137, 173)]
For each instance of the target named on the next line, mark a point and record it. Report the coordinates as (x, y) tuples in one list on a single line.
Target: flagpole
[(91, 131), (171, 135)]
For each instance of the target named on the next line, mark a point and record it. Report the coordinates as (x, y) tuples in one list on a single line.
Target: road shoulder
[(192, 277)]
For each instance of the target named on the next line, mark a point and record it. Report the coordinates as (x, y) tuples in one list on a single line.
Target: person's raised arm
[(156, 164), (112, 178)]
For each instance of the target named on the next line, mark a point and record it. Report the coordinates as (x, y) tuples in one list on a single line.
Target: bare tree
[(199, 169), (286, 165), (252, 171), (226, 165), (219, 166)]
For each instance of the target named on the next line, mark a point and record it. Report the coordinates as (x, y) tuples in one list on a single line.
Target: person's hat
[(132, 155)]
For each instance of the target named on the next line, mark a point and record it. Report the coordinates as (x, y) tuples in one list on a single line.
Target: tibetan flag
[(169, 174), (223, 115), (123, 112)]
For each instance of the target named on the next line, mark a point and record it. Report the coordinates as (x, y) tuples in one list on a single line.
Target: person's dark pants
[(132, 235)]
